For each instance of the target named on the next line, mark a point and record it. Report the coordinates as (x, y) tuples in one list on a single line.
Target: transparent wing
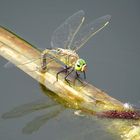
[(11, 65), (50, 57), (65, 33), (88, 31)]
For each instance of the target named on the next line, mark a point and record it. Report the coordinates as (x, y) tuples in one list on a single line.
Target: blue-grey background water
[(113, 58)]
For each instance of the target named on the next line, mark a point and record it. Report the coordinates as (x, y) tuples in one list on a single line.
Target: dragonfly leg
[(84, 75), (78, 77), (63, 70), (67, 68), (68, 75), (77, 74)]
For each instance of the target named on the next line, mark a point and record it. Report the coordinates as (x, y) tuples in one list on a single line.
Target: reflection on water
[(36, 123), (52, 105)]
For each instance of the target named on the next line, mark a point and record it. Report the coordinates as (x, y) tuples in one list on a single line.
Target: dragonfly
[(68, 38)]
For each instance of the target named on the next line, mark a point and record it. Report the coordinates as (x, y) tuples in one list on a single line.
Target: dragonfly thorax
[(71, 58), (66, 52), (67, 56)]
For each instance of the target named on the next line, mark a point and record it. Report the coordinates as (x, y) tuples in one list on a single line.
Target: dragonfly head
[(80, 65)]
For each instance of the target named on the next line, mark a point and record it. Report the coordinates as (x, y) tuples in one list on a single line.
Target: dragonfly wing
[(65, 33), (88, 31), (10, 64)]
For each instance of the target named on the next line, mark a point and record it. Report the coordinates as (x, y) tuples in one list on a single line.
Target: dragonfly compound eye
[(80, 65)]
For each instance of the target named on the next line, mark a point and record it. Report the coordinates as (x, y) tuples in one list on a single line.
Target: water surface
[(112, 57)]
